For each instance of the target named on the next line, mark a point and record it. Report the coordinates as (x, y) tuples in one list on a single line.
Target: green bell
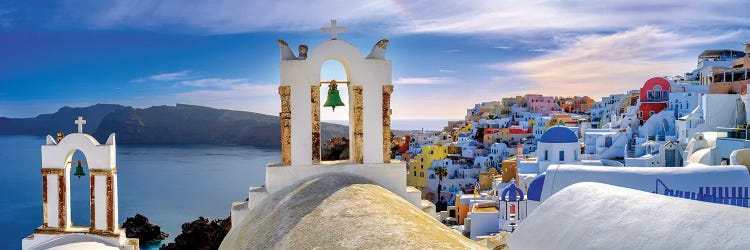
[(79, 171), (333, 100)]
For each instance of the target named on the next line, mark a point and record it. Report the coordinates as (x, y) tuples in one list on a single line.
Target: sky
[(446, 56)]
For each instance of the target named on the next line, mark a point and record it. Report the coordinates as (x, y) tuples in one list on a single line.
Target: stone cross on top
[(333, 30), (80, 122)]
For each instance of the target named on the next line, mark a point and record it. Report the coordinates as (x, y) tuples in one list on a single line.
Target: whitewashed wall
[(372, 74)]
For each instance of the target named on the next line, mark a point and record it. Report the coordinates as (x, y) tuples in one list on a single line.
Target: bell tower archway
[(334, 102), (59, 169), (369, 88), (368, 85)]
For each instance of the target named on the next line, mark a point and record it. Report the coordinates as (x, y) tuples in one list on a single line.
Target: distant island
[(179, 124)]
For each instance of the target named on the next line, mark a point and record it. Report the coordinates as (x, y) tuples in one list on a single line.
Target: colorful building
[(579, 105), (542, 104), (654, 97), (486, 178), (417, 176), (733, 80), (709, 60), (561, 119)]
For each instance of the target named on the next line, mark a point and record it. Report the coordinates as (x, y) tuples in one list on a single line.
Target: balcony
[(663, 99)]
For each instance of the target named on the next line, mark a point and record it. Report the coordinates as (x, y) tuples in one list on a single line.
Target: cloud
[(539, 50), (422, 80), (454, 17), (446, 71), (224, 88), (231, 16), (502, 47), (172, 76), (602, 64)]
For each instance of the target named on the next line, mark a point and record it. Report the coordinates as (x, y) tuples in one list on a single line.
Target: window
[(607, 141), (415, 173), (650, 94), (546, 157), (650, 113), (421, 174), (562, 155)]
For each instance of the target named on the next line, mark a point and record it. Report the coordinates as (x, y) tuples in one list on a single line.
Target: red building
[(654, 97)]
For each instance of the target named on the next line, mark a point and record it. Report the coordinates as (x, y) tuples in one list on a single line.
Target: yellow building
[(465, 129), (486, 178), (509, 168), (558, 119), (417, 176)]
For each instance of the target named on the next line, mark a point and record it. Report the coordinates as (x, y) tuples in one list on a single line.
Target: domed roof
[(300, 217), (558, 134), (535, 188), (512, 193)]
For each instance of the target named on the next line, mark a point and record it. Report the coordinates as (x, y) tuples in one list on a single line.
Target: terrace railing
[(735, 196)]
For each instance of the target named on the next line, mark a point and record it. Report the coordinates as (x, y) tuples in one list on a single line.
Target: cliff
[(62, 120), (163, 125)]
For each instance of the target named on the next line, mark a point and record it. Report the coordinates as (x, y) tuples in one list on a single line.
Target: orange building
[(733, 80)]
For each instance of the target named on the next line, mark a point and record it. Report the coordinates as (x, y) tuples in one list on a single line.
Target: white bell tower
[(57, 227), (369, 87)]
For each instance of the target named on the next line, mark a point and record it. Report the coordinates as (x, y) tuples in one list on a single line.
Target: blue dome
[(535, 188), (558, 134), (511, 193)]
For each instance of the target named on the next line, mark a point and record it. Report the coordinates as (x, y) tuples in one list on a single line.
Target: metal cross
[(80, 123), (333, 30)]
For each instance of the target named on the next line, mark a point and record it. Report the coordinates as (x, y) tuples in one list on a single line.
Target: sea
[(169, 184)]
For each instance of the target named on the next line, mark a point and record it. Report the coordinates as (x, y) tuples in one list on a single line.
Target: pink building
[(542, 104)]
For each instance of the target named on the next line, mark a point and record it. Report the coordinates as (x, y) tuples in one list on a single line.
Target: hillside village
[(490, 167)]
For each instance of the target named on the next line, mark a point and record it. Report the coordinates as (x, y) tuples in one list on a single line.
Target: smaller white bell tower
[(57, 227)]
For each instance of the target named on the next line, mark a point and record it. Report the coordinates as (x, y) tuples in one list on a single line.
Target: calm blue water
[(169, 184)]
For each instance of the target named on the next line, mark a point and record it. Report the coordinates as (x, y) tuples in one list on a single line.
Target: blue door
[(669, 154)]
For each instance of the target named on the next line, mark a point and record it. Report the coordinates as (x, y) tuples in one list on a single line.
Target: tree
[(440, 171)]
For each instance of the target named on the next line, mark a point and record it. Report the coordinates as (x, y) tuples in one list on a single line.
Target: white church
[(57, 230), (369, 89)]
